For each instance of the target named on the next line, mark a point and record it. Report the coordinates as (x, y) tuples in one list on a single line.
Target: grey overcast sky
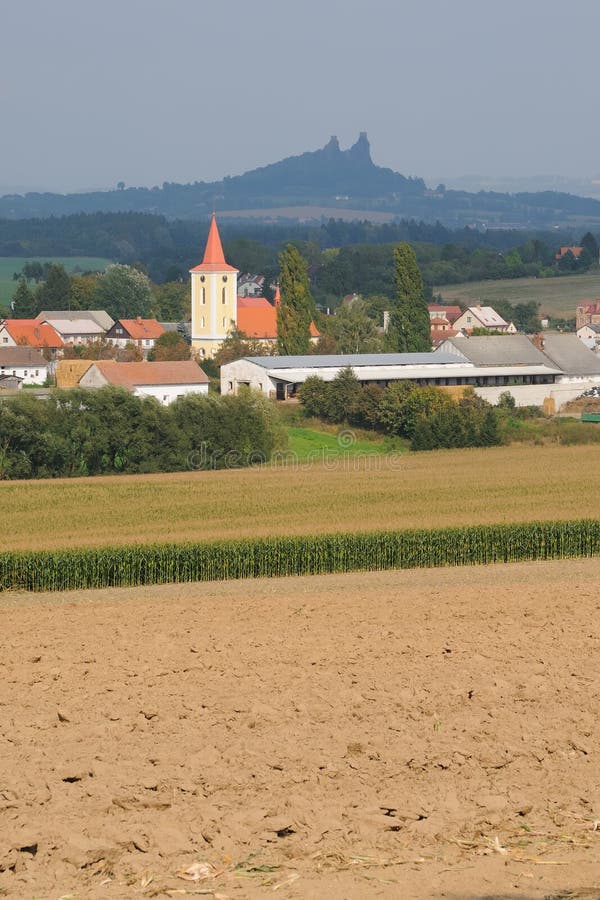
[(144, 91)]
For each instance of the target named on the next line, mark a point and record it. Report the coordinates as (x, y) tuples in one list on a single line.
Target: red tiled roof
[(33, 333), (142, 329), (576, 251), (253, 303), (261, 322), (135, 374), (214, 258), (450, 312)]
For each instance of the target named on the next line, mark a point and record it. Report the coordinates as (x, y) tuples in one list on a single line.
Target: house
[(23, 363), (574, 251), (30, 333), (440, 311), (589, 335), (100, 316), (482, 317), (441, 329), (217, 310), (587, 313), (165, 381), (250, 285), (77, 332), (140, 332)]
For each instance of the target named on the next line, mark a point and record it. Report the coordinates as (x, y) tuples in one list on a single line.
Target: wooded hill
[(326, 179)]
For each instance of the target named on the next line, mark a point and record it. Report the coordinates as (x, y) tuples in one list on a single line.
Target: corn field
[(129, 566)]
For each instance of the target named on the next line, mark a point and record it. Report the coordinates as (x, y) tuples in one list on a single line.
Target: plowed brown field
[(415, 734)]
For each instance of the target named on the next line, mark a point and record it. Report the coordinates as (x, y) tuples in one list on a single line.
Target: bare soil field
[(415, 734), (413, 490)]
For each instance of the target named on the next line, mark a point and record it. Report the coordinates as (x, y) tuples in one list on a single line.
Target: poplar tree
[(297, 308), (409, 329)]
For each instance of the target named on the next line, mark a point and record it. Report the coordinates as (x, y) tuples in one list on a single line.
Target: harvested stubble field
[(436, 489), (417, 734), (556, 296)]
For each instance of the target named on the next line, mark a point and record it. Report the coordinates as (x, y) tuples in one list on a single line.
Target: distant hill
[(325, 180)]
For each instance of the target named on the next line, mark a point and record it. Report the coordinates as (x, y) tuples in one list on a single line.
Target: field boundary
[(274, 557)]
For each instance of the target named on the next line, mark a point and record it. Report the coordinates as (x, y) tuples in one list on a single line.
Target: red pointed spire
[(277, 297), (213, 253), (214, 258)]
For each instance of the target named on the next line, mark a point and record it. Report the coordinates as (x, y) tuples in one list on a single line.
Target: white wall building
[(25, 363), (165, 381)]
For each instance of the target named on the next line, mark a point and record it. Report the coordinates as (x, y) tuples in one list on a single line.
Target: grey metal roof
[(356, 360), (569, 353), (500, 350), (408, 373), (97, 315)]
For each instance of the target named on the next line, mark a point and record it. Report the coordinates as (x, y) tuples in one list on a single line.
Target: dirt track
[(407, 734)]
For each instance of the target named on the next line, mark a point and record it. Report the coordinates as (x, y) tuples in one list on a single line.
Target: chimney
[(139, 320), (386, 320)]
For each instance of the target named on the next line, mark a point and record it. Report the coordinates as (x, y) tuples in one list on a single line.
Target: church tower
[(214, 297)]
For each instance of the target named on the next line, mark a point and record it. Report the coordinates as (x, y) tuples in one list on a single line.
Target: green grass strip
[(273, 557)]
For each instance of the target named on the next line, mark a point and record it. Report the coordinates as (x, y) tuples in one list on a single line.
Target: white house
[(165, 381), (482, 317), (24, 363)]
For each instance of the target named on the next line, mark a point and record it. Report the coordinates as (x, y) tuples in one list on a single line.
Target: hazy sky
[(97, 91)]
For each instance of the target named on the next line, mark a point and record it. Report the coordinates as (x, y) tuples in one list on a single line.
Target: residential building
[(441, 311), (587, 313), (482, 317), (100, 316), (143, 333), (574, 251), (24, 363), (165, 381), (77, 332), (30, 333), (589, 335)]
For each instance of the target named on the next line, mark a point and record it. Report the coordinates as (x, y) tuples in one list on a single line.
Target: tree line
[(428, 417), (106, 431)]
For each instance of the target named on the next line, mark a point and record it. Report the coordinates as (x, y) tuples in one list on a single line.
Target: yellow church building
[(214, 297)]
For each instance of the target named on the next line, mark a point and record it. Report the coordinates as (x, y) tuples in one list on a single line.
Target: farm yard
[(417, 734), (557, 297)]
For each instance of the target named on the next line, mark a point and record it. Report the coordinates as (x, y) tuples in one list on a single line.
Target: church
[(216, 308)]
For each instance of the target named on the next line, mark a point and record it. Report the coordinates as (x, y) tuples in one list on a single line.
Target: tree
[(353, 330), (172, 301), (24, 304), (124, 292), (237, 345), (168, 347), (409, 330), (83, 288), (55, 292), (590, 244), (297, 308)]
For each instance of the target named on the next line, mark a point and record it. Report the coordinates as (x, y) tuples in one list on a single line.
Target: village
[(473, 347)]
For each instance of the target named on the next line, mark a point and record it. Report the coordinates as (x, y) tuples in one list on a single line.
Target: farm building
[(281, 376), (30, 333), (165, 381), (492, 365)]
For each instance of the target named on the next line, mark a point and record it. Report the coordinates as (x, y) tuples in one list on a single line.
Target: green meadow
[(73, 264)]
